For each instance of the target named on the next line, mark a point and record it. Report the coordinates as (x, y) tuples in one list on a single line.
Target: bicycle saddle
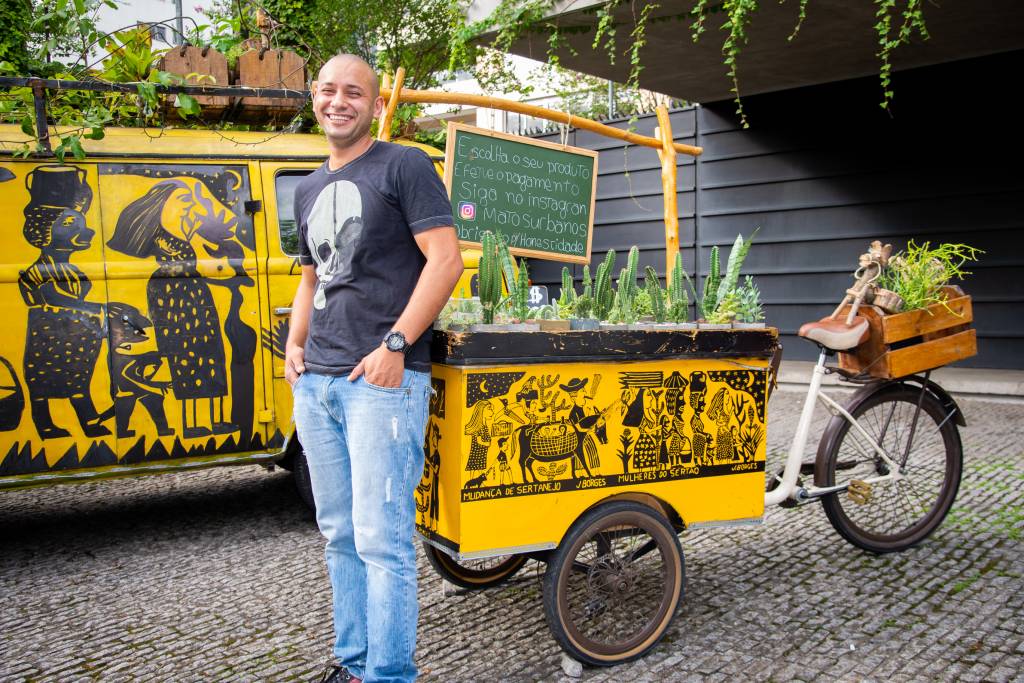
[(836, 334)]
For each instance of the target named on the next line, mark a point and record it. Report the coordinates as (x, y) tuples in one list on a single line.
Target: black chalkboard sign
[(539, 195)]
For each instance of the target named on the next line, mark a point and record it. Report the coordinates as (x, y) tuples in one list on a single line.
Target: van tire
[(300, 475)]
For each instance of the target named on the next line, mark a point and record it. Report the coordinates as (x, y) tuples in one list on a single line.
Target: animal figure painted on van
[(134, 375)]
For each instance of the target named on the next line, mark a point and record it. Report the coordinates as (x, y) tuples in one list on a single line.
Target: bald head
[(346, 99), (352, 65)]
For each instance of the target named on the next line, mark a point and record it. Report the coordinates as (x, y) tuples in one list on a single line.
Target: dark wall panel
[(822, 171)]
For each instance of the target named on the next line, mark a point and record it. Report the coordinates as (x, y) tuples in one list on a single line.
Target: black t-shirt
[(356, 225)]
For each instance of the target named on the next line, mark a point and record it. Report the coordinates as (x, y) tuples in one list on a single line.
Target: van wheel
[(300, 475)]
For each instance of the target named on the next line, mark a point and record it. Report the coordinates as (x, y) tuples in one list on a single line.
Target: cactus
[(655, 293), (709, 302), (520, 293), (507, 264), (489, 277), (679, 301), (603, 296), (583, 307), (622, 307), (568, 293), (629, 279)]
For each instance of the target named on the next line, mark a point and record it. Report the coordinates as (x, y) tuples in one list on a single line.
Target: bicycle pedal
[(859, 492)]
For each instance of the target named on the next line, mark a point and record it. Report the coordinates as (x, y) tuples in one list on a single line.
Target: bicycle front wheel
[(898, 513)]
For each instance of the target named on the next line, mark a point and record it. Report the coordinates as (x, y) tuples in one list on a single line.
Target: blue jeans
[(364, 446)]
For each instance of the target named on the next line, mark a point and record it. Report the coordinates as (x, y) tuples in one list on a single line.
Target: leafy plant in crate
[(918, 275)]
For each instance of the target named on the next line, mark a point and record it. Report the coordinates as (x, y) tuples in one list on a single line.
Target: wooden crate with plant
[(919, 319)]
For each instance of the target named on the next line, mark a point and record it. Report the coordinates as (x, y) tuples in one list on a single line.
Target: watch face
[(395, 341)]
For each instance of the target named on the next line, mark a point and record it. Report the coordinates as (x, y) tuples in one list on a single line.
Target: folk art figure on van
[(162, 225), (65, 331), (178, 341)]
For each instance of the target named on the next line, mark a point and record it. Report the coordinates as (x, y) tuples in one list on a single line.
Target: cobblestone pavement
[(218, 575)]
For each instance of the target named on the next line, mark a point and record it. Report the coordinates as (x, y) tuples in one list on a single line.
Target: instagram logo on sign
[(467, 211)]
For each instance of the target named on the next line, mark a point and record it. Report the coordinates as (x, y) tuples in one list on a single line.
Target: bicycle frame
[(788, 487)]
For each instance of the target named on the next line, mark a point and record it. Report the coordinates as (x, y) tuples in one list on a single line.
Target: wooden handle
[(667, 155), (384, 126), (439, 97)]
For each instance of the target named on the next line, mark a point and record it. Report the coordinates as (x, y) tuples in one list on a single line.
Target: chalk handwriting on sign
[(540, 196), (538, 295)]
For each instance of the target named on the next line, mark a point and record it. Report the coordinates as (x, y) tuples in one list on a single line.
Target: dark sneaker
[(336, 674)]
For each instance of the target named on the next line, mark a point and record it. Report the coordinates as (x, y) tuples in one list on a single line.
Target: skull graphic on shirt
[(334, 227)]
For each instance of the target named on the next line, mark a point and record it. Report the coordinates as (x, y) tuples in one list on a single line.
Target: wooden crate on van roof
[(190, 59), (267, 68), (914, 341)]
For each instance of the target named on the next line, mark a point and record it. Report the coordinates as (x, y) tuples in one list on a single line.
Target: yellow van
[(145, 296)]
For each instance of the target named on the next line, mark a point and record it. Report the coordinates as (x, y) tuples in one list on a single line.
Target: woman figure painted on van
[(161, 224), (65, 332)]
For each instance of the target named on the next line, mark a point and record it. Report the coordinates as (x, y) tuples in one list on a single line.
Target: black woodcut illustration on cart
[(67, 323), (428, 491), (528, 429)]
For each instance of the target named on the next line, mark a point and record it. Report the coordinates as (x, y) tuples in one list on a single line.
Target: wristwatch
[(395, 341)]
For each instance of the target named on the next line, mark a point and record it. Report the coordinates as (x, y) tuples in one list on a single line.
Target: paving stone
[(218, 575)]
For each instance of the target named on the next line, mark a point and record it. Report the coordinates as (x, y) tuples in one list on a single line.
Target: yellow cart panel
[(515, 453)]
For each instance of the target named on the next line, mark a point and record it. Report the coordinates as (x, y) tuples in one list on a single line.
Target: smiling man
[(379, 259)]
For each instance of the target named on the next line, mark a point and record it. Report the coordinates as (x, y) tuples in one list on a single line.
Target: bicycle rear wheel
[(473, 574), (898, 513)]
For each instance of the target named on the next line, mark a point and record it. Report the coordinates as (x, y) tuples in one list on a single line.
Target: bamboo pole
[(384, 128), (667, 155), (438, 97)]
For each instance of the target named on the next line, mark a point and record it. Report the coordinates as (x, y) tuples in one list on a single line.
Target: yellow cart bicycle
[(591, 451)]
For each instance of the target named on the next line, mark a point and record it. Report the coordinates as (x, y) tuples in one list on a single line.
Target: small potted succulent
[(749, 313), (460, 313), (720, 303), (519, 302)]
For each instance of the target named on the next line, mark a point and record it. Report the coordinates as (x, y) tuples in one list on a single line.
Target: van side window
[(284, 186)]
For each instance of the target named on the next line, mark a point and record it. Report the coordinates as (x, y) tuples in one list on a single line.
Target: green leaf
[(147, 91), (97, 133), (187, 105), (26, 126), (76, 148)]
